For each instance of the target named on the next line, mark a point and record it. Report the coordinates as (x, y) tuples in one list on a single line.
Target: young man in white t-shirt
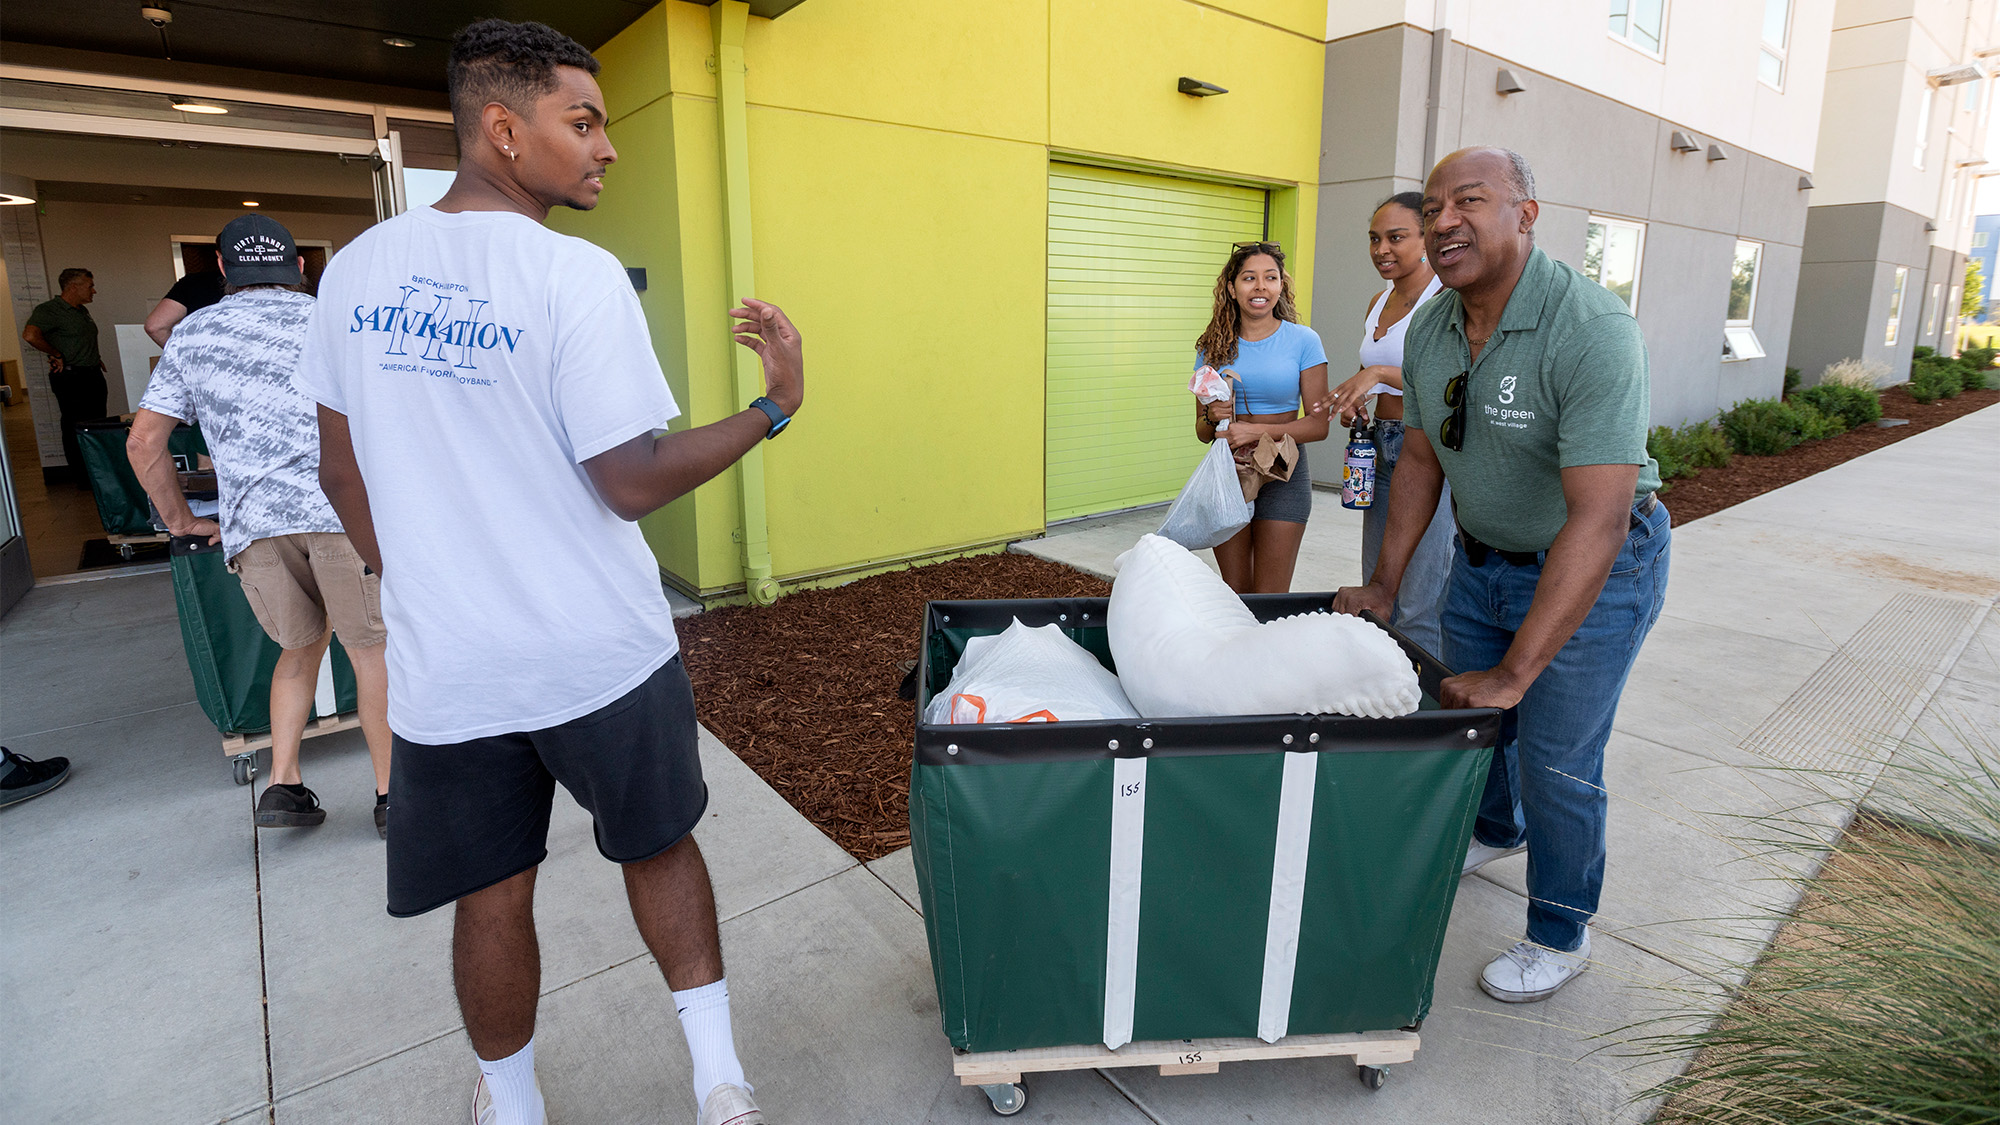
[(490, 417)]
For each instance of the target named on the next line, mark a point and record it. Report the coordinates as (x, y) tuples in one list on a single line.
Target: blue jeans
[(1545, 787), (1420, 599)]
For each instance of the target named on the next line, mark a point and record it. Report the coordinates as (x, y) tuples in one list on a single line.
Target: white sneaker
[(1530, 972), (730, 1104), (1479, 855), (484, 1112)]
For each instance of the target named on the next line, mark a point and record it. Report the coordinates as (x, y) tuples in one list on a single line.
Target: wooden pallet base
[(1183, 1056), (235, 745)]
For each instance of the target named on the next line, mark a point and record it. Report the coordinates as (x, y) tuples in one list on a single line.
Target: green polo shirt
[(1563, 382), (69, 330)]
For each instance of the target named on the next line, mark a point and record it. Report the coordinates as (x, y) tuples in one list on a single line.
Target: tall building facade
[(1900, 146), (1672, 145)]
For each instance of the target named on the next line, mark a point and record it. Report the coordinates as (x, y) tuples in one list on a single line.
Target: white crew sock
[(704, 1013), (511, 1081)]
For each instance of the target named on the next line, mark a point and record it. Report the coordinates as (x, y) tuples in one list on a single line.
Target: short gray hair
[(1521, 177)]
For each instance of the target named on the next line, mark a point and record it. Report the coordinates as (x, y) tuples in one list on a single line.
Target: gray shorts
[(1289, 501)]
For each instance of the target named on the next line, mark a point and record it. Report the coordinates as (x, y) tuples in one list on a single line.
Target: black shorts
[(466, 816)]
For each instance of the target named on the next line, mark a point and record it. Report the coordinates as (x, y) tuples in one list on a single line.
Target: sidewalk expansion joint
[(103, 719)]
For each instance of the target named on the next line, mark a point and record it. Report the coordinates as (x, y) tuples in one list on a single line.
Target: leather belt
[(1476, 552)]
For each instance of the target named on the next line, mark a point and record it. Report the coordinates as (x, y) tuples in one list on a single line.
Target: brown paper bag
[(1269, 460)]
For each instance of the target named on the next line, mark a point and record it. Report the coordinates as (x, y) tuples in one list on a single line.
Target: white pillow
[(1025, 676), (1185, 644)]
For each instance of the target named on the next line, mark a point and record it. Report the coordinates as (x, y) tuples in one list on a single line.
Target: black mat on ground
[(101, 553)]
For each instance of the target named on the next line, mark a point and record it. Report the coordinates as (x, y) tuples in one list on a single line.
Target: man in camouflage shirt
[(229, 368)]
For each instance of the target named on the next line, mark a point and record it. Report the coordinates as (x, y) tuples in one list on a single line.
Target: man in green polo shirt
[(1526, 386), (62, 329)]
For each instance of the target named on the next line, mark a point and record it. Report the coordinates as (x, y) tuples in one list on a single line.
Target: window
[(1641, 23), (1612, 250), (1924, 123), (1743, 282), (1896, 304), (1777, 31), (1979, 239)]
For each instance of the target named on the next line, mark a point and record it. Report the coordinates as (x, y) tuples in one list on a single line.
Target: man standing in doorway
[(62, 329), (229, 369), (190, 294), (1527, 389), (490, 422)]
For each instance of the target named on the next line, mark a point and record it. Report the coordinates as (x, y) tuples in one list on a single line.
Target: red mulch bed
[(1744, 477), (804, 691)]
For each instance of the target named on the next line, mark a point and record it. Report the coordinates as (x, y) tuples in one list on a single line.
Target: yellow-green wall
[(899, 154)]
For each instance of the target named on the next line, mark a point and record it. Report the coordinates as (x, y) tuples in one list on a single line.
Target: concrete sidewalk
[(168, 963)]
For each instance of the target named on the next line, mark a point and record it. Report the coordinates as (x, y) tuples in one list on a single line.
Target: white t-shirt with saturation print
[(480, 359)]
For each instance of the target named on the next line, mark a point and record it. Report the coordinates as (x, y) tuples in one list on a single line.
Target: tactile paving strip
[(1848, 715)]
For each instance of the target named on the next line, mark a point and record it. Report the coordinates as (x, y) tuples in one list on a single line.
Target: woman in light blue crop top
[(1276, 364)]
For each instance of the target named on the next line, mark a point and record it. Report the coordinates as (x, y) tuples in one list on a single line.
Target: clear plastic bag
[(1210, 507), (1029, 675)]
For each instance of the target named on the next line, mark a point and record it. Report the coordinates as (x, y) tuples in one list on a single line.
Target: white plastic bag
[(1208, 385), (1028, 676), (1211, 507), (1185, 644)]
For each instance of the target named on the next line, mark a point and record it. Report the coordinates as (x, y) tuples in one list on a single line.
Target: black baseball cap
[(258, 250)]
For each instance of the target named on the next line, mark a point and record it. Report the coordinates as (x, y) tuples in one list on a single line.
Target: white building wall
[(1705, 78)]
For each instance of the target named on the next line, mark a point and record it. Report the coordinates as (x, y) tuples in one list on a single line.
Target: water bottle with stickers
[(1357, 476)]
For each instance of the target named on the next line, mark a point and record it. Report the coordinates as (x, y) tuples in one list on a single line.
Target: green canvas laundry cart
[(1184, 892), (121, 501), (232, 658)]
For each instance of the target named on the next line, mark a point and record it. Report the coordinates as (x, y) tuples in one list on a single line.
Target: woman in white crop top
[(1396, 246)]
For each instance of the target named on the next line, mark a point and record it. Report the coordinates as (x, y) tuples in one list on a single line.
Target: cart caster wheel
[(1373, 1077), (125, 550), (243, 770), (1008, 1098)]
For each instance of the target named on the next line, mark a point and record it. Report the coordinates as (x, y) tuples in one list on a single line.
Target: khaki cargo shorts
[(296, 584)]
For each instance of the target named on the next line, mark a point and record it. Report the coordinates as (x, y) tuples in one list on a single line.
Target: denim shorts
[(472, 814), (1289, 501)]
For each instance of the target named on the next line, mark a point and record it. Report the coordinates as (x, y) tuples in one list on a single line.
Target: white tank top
[(1388, 351)]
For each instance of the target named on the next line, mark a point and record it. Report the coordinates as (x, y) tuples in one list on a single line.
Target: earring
[(509, 149)]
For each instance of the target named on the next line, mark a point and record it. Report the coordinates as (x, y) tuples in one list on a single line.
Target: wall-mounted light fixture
[(1195, 88), (1717, 152), (1953, 75), (15, 189), (1805, 183), (1681, 142), (189, 105), (1930, 227), (1506, 83)]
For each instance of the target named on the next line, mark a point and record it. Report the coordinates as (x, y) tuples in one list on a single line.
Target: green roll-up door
[(1132, 265)]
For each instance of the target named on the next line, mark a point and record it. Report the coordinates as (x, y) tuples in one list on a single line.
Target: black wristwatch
[(779, 419)]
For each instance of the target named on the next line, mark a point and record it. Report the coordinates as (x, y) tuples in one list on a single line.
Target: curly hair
[(510, 63), (1217, 343)]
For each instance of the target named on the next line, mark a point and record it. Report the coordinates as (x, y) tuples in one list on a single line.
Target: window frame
[(1929, 95), (1638, 260), (1779, 51), (1756, 280), (1896, 295), (1659, 55)]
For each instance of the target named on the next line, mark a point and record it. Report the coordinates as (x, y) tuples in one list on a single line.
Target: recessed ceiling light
[(188, 105), (251, 203), (399, 41)]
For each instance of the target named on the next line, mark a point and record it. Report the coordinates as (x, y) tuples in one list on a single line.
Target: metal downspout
[(728, 20), (1433, 111)]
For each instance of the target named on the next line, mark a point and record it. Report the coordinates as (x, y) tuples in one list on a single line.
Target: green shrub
[(1854, 406), (1932, 378), (1791, 382), (1981, 359), (1763, 426), (1686, 451), (1923, 351), (1975, 378)]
